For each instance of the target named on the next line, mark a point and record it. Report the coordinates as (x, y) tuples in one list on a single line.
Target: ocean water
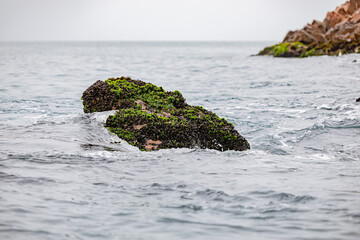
[(61, 177)]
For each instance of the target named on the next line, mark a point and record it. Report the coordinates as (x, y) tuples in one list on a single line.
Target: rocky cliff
[(338, 33)]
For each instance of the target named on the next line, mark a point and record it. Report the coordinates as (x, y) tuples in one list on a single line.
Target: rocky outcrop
[(339, 33), (151, 118)]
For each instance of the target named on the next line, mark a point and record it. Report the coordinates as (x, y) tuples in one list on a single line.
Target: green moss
[(151, 118), (156, 97), (280, 49), (179, 129), (297, 44), (311, 52), (318, 51), (267, 51), (298, 49), (85, 106), (123, 134)]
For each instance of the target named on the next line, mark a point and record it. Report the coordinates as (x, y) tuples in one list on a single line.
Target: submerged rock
[(151, 118), (338, 34)]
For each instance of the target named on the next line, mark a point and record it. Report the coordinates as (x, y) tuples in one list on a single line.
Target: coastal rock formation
[(339, 33), (151, 118)]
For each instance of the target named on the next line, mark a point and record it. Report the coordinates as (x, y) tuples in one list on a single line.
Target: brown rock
[(152, 145), (353, 6), (338, 26), (138, 127), (143, 105), (338, 32), (355, 18)]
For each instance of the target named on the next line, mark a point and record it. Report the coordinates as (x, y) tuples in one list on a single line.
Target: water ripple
[(66, 177)]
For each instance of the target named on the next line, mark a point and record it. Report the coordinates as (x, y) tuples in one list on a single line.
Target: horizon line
[(204, 41)]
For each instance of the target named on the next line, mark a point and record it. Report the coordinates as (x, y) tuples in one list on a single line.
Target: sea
[(62, 176)]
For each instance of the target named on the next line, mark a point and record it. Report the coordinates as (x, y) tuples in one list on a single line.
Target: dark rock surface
[(151, 118), (99, 97)]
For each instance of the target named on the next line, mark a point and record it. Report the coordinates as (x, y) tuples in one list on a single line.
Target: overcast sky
[(179, 20)]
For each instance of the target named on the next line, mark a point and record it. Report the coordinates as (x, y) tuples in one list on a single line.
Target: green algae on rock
[(301, 50), (151, 118), (296, 49)]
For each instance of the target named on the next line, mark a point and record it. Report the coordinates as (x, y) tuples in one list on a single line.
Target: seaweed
[(301, 50), (151, 118)]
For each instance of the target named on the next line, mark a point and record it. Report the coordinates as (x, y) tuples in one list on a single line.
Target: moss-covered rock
[(301, 50), (296, 49), (151, 118)]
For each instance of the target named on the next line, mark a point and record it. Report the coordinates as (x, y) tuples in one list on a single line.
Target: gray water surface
[(61, 176)]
